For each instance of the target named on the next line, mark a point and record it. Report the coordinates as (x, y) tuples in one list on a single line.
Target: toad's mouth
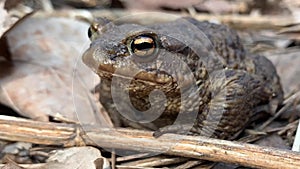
[(150, 75)]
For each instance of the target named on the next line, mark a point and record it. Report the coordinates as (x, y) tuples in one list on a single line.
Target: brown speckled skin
[(234, 85)]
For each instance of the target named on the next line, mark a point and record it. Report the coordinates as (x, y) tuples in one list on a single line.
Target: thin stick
[(132, 157), (189, 164), (288, 103), (113, 159), (156, 161)]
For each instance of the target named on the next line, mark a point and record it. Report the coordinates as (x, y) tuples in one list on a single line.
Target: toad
[(182, 76)]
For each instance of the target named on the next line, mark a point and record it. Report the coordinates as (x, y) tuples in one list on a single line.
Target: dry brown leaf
[(46, 75), (287, 64), (273, 140), (3, 16), (10, 14), (222, 6), (11, 166), (76, 157), (3, 27), (8, 20), (294, 7)]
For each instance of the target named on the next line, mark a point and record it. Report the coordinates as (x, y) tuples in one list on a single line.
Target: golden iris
[(143, 45)]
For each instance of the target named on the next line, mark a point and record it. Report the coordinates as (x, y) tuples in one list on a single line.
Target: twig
[(27, 166), (132, 157), (133, 167), (156, 161), (281, 130), (270, 120), (190, 164), (16, 129), (288, 102), (113, 159)]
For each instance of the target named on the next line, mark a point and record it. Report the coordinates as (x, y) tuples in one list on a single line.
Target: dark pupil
[(143, 46), (90, 32)]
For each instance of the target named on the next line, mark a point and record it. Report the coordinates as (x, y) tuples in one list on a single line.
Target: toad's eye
[(99, 26), (92, 31), (143, 45)]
